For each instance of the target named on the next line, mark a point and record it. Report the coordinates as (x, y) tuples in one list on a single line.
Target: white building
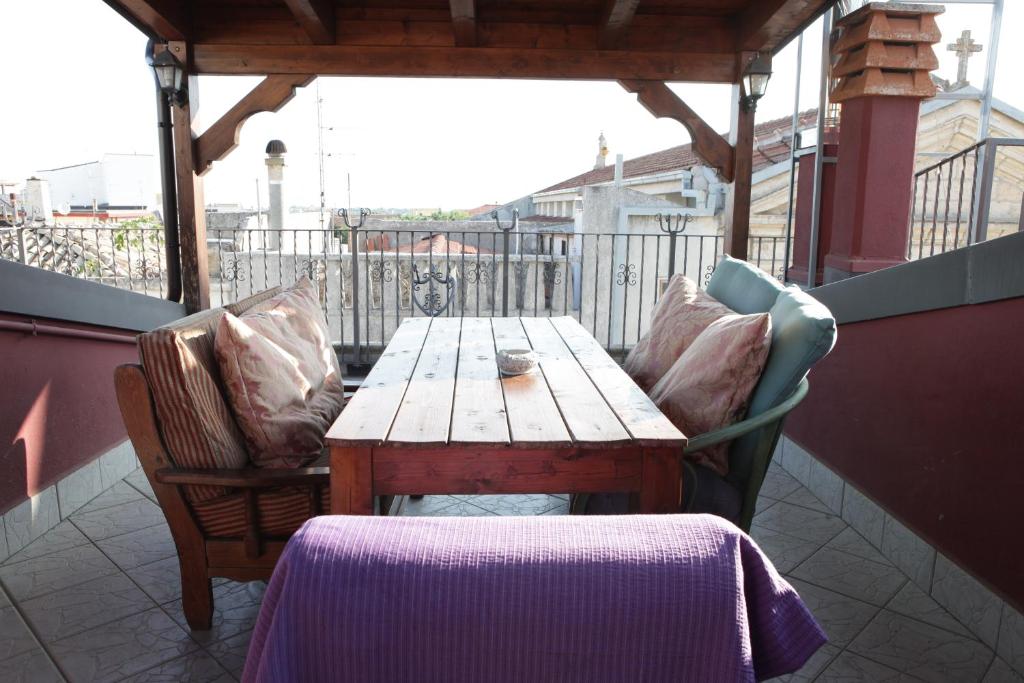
[(116, 182)]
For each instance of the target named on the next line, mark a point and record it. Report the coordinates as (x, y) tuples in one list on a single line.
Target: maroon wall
[(924, 413), (803, 214), (57, 405)]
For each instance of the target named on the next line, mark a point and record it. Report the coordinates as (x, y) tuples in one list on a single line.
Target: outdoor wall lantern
[(755, 81), (170, 75)]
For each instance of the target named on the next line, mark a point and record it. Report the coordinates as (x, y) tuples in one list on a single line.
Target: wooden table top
[(437, 384)]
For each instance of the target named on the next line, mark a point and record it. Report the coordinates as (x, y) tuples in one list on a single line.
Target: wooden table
[(434, 416)]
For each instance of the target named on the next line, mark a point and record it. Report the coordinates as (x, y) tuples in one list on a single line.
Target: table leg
[(351, 481), (662, 485)]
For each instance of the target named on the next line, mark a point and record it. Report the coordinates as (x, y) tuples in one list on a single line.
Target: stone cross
[(964, 47)]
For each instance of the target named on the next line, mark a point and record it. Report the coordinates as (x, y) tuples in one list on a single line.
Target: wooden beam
[(163, 19), (657, 98), (767, 24), (737, 209), (272, 93), (316, 17), (464, 62), (464, 22), (195, 269), (615, 21)]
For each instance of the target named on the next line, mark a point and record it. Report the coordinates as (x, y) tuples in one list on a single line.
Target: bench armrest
[(734, 431), (246, 478)]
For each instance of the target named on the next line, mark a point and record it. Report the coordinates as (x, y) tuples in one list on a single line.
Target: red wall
[(924, 413), (57, 405)]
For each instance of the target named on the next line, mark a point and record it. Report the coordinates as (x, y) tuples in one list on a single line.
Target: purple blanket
[(629, 598)]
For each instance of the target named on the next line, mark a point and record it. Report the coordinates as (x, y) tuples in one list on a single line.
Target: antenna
[(320, 148)]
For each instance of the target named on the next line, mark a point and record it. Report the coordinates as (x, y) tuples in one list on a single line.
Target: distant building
[(118, 185)]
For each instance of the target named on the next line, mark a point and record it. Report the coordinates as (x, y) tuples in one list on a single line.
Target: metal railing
[(126, 255), (366, 280), (957, 200)]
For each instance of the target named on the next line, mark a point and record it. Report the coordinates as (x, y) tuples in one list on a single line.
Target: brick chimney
[(275, 179), (882, 60)]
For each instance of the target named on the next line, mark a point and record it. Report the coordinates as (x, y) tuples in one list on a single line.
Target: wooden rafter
[(272, 93), (657, 98), (455, 62), (764, 25), (464, 22), (316, 18), (615, 21), (164, 19)]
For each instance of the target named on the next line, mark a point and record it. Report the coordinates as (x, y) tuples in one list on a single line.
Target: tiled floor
[(96, 598)]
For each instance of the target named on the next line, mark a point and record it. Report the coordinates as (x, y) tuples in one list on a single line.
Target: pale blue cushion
[(803, 331), (743, 287)]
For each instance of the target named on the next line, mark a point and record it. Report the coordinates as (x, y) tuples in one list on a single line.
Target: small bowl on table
[(512, 362)]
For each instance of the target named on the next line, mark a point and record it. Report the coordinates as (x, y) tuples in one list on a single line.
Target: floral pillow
[(710, 385), (681, 314), (281, 376)]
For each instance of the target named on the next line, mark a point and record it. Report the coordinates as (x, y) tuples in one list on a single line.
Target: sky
[(444, 143)]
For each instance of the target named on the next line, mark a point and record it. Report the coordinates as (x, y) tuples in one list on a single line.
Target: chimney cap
[(276, 147)]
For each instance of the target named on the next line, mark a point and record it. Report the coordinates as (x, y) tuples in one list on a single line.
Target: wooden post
[(737, 210), (195, 270)]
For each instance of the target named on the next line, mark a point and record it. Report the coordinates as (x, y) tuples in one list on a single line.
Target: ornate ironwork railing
[(371, 279), (962, 199), (127, 255)]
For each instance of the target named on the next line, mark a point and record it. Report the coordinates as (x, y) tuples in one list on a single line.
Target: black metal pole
[(168, 189)]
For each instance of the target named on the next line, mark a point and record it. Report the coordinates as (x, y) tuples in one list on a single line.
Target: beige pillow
[(281, 376), (681, 314), (709, 386)]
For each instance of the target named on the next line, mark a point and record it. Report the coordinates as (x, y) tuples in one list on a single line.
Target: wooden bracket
[(464, 22), (657, 98), (272, 93), (615, 21), (316, 17)]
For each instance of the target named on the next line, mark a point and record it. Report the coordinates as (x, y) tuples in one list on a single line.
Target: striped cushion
[(281, 512), (197, 425)]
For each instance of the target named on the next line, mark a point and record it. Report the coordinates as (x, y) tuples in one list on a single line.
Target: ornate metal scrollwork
[(145, 269), (231, 270), (312, 268), (380, 270), (708, 272), (626, 275), (435, 299), (479, 272)]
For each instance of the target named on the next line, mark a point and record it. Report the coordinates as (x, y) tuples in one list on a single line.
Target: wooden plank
[(272, 93), (662, 488), (316, 17), (351, 480), (769, 24), (638, 414), (195, 268), (615, 22), (737, 209), (164, 19), (465, 62), (506, 470), (478, 414), (367, 417), (658, 98), (587, 415), (464, 22), (502, 26), (425, 416), (533, 415)]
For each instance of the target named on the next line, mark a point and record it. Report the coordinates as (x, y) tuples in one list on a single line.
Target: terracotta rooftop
[(439, 244), (771, 145)]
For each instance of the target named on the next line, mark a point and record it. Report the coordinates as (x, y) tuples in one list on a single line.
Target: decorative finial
[(602, 151)]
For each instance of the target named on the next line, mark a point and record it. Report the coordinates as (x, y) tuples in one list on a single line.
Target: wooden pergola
[(642, 44)]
